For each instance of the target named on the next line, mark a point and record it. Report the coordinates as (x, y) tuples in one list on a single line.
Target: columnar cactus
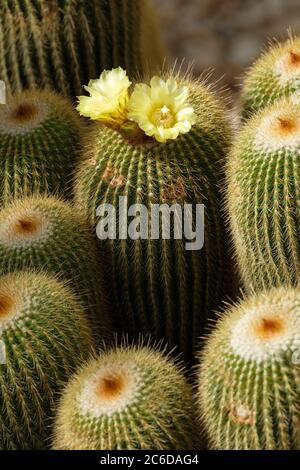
[(45, 337), (249, 379), (39, 145), (129, 398), (158, 285), (274, 76), (48, 234), (263, 197), (60, 44)]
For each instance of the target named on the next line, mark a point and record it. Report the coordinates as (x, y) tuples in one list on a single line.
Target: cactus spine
[(46, 233), (129, 398), (157, 285), (249, 381), (45, 337), (263, 197), (39, 145), (274, 76), (63, 43)]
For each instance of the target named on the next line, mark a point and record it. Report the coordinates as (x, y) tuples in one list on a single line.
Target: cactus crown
[(25, 227), (265, 331), (274, 76), (31, 221), (128, 398), (32, 109)]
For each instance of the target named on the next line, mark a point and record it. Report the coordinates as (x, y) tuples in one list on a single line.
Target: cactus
[(61, 44), (39, 145), (263, 197), (249, 379), (274, 76), (127, 399), (158, 286), (46, 233), (45, 337)]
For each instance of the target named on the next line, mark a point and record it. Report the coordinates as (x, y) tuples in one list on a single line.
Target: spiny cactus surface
[(40, 136), (48, 234), (159, 286), (249, 379), (45, 336), (274, 76), (128, 398), (263, 197), (61, 44)]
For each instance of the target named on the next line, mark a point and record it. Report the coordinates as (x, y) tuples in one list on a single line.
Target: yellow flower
[(108, 98), (161, 109)]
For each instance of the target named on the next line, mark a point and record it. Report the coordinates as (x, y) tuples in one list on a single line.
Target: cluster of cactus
[(248, 380), (158, 286), (63, 43), (129, 398), (45, 337), (161, 147), (48, 234)]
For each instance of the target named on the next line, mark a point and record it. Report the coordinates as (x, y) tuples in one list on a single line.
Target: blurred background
[(227, 35)]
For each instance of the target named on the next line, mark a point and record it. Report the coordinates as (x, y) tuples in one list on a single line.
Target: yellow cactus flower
[(108, 98), (161, 110)]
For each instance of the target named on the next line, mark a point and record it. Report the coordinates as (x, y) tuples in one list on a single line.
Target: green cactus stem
[(45, 336), (127, 399), (249, 378)]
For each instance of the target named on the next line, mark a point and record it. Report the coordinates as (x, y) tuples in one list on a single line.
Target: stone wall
[(226, 35)]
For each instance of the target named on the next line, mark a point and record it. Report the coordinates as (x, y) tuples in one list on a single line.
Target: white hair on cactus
[(110, 389), (287, 66), (24, 227), (21, 116), (278, 128), (266, 331)]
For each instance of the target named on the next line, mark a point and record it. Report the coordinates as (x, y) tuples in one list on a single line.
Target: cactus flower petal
[(161, 110), (108, 98)]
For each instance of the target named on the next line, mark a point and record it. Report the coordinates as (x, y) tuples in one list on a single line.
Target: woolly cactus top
[(275, 128), (268, 330), (24, 228), (32, 221), (263, 328), (278, 127), (275, 75), (110, 389), (30, 110)]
